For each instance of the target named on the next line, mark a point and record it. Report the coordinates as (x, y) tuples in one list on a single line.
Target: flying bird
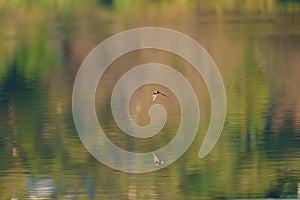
[(155, 93), (156, 161)]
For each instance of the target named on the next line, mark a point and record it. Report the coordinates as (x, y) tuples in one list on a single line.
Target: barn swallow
[(155, 93), (156, 161)]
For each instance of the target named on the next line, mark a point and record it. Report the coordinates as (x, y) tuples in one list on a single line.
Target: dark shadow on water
[(108, 3)]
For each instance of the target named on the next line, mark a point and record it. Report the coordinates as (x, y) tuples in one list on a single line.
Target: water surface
[(255, 44)]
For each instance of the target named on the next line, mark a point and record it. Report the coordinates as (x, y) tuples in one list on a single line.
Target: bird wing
[(164, 94), (154, 97), (155, 158)]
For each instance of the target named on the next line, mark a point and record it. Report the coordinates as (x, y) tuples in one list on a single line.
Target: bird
[(157, 92), (156, 161)]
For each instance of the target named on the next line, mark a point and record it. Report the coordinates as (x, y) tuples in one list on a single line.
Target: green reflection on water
[(42, 44)]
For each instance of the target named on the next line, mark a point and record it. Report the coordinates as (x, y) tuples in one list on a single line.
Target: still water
[(256, 46)]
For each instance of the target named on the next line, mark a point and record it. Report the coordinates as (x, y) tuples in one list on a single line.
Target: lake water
[(254, 43)]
